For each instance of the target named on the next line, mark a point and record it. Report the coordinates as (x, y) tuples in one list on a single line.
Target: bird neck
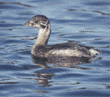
[(43, 36), (42, 39)]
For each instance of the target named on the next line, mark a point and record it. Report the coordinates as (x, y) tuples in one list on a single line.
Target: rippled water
[(83, 21)]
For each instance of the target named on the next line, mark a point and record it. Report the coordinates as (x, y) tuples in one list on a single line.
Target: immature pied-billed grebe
[(42, 50)]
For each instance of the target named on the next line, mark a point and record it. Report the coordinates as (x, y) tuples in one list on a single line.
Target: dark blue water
[(84, 21)]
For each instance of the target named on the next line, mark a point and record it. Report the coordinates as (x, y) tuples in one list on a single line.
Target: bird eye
[(43, 26)]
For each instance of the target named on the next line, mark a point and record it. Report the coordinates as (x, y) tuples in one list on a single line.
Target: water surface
[(82, 21)]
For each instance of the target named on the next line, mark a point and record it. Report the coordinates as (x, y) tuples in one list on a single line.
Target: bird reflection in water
[(45, 74), (44, 78)]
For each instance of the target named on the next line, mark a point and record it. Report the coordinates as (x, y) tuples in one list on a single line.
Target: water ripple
[(84, 22)]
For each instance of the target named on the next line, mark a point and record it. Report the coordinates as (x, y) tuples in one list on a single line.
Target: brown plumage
[(41, 49)]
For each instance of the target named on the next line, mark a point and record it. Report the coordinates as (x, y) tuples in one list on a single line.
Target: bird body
[(41, 49)]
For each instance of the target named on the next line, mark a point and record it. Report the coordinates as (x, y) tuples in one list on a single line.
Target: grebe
[(42, 50)]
